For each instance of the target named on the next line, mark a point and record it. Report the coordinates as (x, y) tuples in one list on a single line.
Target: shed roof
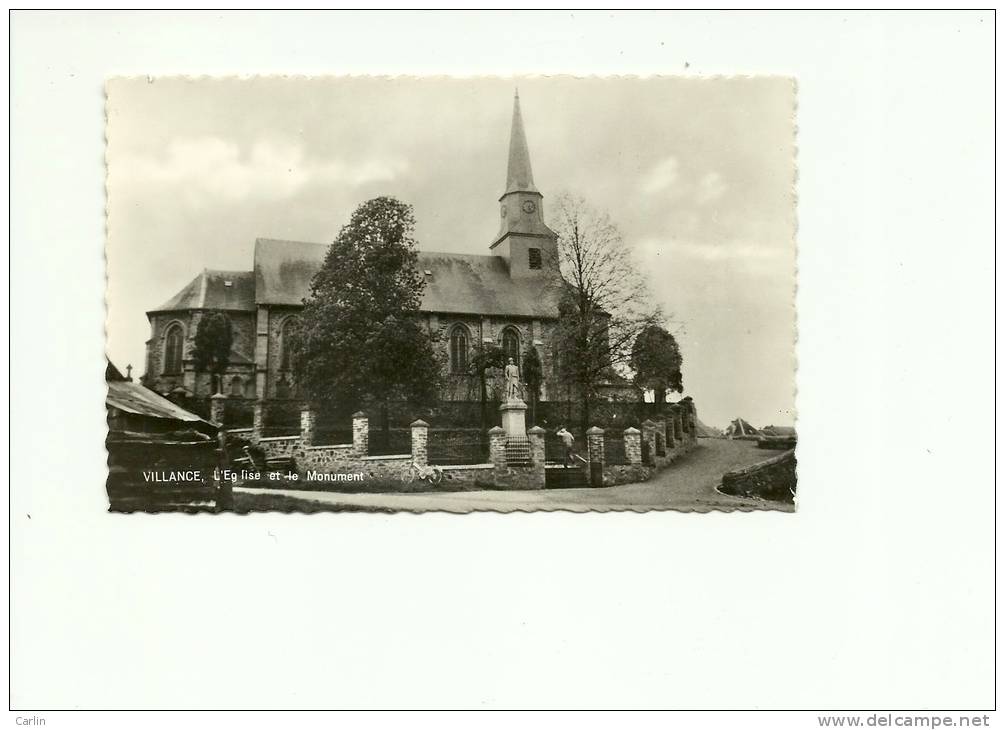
[(134, 398)]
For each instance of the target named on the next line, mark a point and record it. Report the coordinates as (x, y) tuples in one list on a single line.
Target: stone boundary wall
[(773, 479), (469, 476), (281, 412), (657, 445), (648, 450)]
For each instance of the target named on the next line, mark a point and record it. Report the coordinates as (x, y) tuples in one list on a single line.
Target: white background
[(878, 593)]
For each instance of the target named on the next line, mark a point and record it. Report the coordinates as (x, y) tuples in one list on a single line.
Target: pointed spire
[(519, 177)]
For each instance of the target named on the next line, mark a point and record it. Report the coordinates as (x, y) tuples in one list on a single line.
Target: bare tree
[(605, 304)]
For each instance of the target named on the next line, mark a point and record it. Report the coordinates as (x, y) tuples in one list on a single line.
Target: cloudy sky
[(697, 173)]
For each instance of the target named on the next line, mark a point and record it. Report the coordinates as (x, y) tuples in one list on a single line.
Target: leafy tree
[(360, 339), (488, 356), (533, 376), (605, 303), (656, 360), (211, 351)]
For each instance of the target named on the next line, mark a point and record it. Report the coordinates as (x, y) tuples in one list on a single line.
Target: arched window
[(282, 388), (459, 349), (511, 344), (285, 344), (559, 362), (174, 341), (237, 386)]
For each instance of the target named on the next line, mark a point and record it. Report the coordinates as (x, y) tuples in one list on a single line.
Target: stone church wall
[(480, 329), (277, 319), (459, 388), (198, 384)]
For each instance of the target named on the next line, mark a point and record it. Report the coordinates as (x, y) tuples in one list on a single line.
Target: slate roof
[(456, 283), (472, 284), (284, 269), (227, 290)]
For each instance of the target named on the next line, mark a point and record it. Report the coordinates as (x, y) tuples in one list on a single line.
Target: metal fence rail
[(450, 447), (614, 450), (273, 431), (395, 441)]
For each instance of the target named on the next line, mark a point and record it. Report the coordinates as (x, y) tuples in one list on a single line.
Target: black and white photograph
[(372, 293), (371, 369)]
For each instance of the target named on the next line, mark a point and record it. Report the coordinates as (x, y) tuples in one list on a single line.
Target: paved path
[(688, 485)]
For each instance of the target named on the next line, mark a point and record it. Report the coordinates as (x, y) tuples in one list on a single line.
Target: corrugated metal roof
[(134, 398), (212, 289), (456, 283)]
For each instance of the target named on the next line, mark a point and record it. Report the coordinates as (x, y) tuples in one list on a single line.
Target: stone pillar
[(497, 447), (633, 445), (258, 421), (595, 448), (536, 437), (420, 442), (692, 417), (668, 427), (648, 437), (308, 425), (361, 433), (678, 428), (217, 408), (660, 432)]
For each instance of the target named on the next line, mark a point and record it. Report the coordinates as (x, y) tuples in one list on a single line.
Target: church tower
[(527, 244)]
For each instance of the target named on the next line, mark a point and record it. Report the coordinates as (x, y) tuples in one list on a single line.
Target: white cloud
[(662, 177), (709, 188), (210, 167), (731, 251), (665, 178)]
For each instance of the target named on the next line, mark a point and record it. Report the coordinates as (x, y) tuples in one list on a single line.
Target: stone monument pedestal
[(514, 412)]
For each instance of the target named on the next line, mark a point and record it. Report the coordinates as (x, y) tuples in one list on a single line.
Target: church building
[(507, 296)]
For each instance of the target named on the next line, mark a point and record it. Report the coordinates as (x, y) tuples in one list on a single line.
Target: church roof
[(227, 290), (472, 284), (519, 177), (284, 269), (455, 283)]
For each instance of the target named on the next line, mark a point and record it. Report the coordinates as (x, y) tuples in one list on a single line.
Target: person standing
[(568, 440)]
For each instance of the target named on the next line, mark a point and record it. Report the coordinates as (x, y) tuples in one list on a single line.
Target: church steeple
[(523, 239), (519, 177)]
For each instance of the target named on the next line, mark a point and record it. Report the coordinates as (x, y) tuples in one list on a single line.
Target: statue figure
[(512, 373)]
